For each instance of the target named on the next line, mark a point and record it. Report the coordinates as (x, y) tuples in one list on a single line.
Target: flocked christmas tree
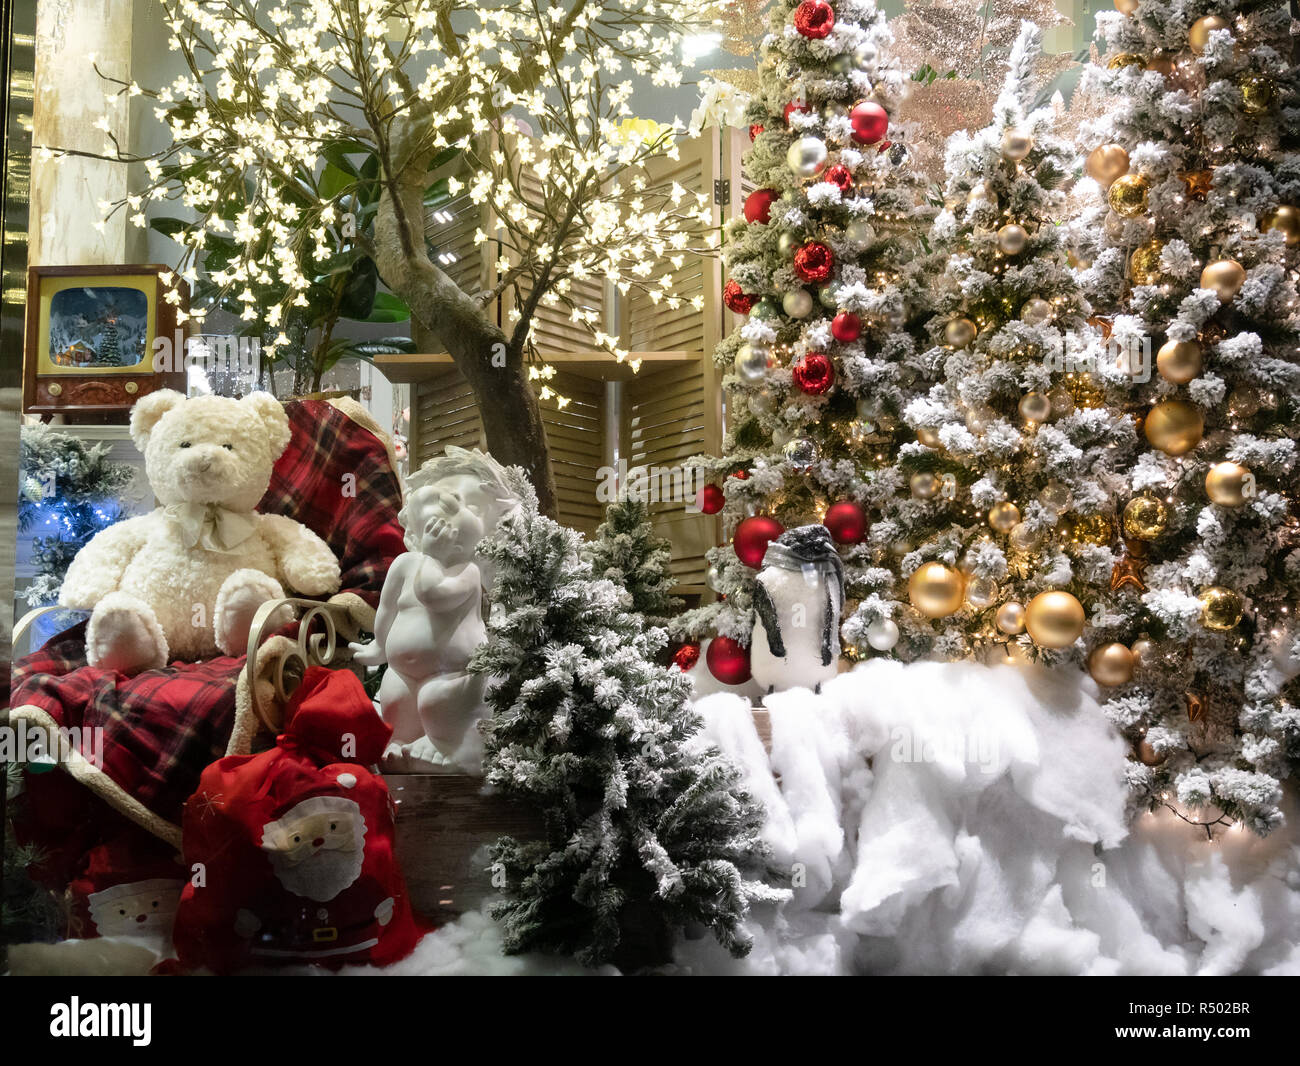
[(825, 265), (1192, 241), (627, 552), (982, 524), (68, 492), (647, 829)]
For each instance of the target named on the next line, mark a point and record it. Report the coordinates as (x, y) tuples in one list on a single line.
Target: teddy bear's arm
[(97, 568), (304, 561)]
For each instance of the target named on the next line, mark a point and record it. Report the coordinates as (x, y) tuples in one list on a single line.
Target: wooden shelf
[(404, 369)]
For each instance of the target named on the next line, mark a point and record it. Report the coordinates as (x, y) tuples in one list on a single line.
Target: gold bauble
[(1091, 529), (1016, 144), (1111, 664), (1285, 219), (1220, 608), (1144, 263), (936, 590), (1174, 426), (1106, 163), (1145, 518), (1229, 484), (1143, 650), (1225, 277), (1035, 407), (1148, 755), (928, 436), (1256, 93), (1161, 65), (959, 332), (1179, 361), (1128, 195), (1054, 619), (1010, 618), (982, 190), (924, 485), (1004, 515), (1126, 7), (1125, 59), (1012, 238), (1199, 35)]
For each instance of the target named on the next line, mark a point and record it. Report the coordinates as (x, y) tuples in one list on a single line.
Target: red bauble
[(813, 373), (758, 205), (739, 475), (839, 175), (846, 521), (814, 262), (752, 537), (814, 18), (870, 122), (846, 327), (710, 499), (728, 661), (791, 108), (686, 656), (737, 299), (755, 128)]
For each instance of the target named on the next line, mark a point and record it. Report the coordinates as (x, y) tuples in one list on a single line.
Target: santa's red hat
[(330, 718)]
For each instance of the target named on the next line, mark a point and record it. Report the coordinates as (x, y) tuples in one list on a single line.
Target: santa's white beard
[(321, 876)]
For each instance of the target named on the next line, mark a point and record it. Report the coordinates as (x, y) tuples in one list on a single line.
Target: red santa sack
[(290, 852)]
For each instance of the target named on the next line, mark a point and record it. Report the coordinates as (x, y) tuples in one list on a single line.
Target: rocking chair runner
[(162, 727)]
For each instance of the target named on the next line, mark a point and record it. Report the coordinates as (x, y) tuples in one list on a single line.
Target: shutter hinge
[(722, 191)]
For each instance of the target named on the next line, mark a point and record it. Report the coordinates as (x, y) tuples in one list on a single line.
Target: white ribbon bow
[(211, 526)]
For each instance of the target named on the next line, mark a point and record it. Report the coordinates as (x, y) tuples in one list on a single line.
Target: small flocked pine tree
[(627, 552), (825, 266), (28, 911), (1192, 240), (646, 828), (68, 487), (976, 518)]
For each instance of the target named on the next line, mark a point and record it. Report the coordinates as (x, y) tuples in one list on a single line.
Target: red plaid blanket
[(162, 727)]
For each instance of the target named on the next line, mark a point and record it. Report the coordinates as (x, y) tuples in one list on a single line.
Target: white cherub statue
[(430, 616)]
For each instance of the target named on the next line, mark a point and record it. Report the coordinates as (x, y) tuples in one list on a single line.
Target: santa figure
[(292, 849)]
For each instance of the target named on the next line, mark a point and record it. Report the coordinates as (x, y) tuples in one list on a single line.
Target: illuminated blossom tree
[(303, 134)]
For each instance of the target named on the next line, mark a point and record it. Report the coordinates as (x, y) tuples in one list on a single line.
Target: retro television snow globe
[(98, 338)]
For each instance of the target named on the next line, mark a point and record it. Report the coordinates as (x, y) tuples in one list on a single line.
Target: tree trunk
[(441, 311)]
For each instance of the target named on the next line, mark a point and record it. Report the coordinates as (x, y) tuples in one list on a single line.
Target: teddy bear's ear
[(274, 420), (148, 410)]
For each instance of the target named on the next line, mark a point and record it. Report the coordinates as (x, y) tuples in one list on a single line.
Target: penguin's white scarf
[(822, 557)]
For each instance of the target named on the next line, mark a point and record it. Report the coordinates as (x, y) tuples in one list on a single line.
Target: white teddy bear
[(184, 581)]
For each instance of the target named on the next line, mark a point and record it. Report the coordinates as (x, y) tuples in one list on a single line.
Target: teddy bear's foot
[(124, 635), (238, 599)]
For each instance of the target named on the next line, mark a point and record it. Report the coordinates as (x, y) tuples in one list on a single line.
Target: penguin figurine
[(798, 597)]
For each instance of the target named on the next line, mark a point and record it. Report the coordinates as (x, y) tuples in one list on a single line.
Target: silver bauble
[(713, 578), (798, 303), (882, 634), (864, 55), (860, 232), (751, 364), (830, 295), (788, 243), (801, 453), (807, 156)]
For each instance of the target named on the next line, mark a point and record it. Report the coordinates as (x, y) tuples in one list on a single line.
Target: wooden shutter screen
[(443, 412), (666, 425), (650, 326), (576, 441)]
